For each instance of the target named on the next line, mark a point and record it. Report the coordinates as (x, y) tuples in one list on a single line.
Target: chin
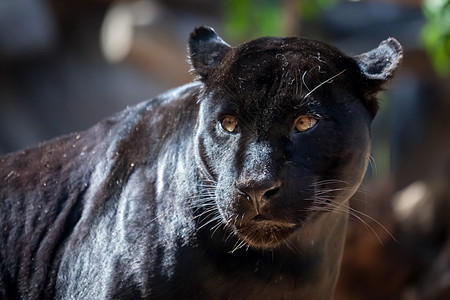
[(265, 234)]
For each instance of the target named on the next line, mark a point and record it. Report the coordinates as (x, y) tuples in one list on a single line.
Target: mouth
[(264, 233)]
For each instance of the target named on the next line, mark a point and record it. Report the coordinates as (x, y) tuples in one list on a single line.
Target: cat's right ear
[(206, 51)]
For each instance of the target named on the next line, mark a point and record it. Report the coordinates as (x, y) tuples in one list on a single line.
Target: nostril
[(271, 192), (258, 191), (241, 189)]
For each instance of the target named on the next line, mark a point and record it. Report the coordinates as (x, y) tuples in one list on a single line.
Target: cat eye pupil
[(229, 123), (304, 123)]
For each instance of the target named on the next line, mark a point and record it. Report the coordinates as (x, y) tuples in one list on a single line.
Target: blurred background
[(66, 64)]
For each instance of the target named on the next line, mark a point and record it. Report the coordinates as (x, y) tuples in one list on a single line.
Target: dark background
[(66, 64)]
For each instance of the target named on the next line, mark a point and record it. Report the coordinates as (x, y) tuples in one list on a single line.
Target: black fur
[(160, 201)]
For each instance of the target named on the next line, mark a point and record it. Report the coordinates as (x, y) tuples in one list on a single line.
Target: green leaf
[(436, 34)]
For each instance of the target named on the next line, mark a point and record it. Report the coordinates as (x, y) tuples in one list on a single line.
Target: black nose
[(259, 192)]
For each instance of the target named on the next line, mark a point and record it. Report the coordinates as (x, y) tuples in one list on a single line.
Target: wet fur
[(144, 204)]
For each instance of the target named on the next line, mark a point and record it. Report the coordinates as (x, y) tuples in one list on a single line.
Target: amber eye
[(304, 123), (229, 123)]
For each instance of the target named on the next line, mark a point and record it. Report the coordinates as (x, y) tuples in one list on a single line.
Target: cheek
[(220, 159), (350, 160), (225, 194), (220, 151), (353, 163), (333, 152)]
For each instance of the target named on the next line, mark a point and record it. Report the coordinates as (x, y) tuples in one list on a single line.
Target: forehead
[(270, 70)]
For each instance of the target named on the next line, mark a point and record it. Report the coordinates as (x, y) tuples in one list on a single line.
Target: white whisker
[(326, 81), (324, 201), (215, 219), (238, 246), (373, 165)]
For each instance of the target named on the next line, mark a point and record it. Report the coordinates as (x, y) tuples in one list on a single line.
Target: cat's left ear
[(379, 64), (206, 51)]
